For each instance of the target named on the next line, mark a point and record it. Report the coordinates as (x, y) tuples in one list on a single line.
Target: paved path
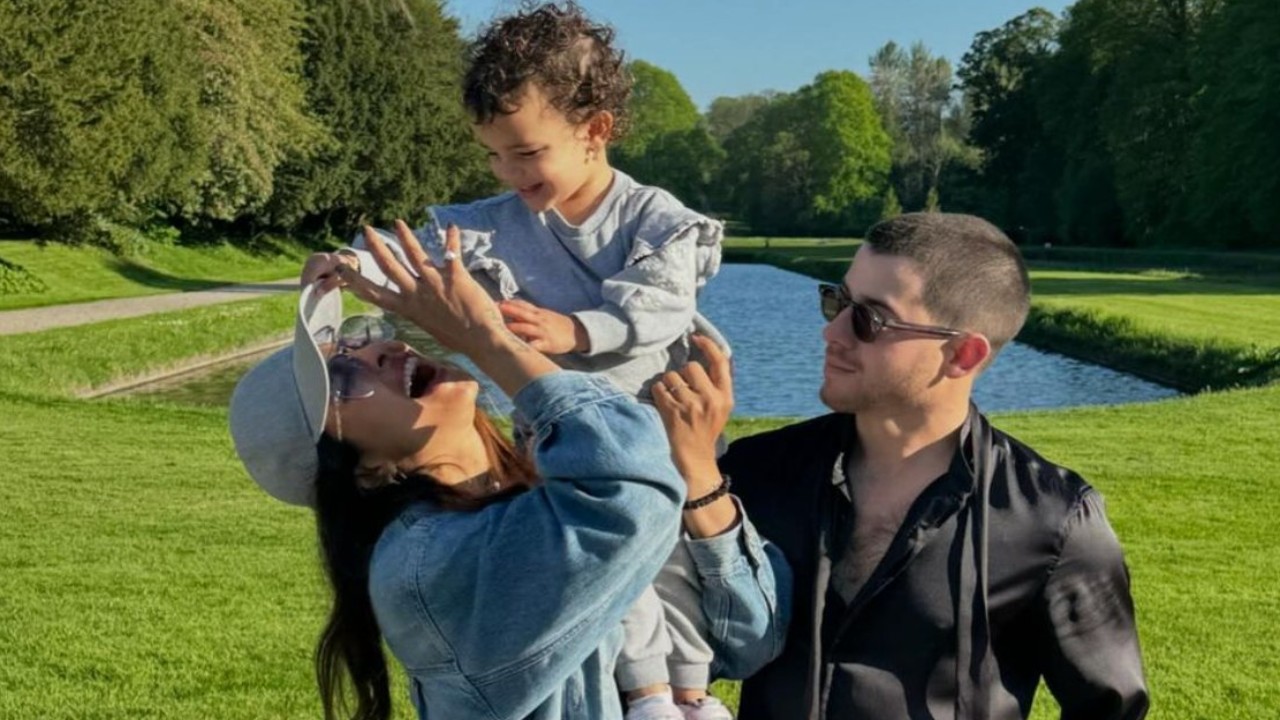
[(13, 322)]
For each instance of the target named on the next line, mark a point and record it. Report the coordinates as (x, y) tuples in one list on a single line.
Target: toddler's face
[(550, 162)]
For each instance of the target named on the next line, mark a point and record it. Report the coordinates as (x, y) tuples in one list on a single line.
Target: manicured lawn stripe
[(1184, 306), (67, 360)]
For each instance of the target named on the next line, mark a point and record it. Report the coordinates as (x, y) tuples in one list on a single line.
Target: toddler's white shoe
[(654, 707), (707, 708)]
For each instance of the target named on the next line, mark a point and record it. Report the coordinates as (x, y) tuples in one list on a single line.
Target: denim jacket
[(516, 610)]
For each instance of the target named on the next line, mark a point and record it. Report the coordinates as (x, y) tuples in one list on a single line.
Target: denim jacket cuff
[(722, 555), (548, 397)]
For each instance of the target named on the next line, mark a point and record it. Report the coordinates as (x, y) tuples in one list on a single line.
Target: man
[(942, 568)]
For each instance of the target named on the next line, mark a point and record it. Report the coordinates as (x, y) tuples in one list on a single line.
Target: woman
[(499, 584)]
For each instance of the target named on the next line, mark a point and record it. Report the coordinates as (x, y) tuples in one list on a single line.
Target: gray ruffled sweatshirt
[(630, 273)]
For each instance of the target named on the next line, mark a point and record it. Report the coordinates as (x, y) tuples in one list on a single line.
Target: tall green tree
[(382, 77), (252, 101), (1235, 168), (727, 114), (685, 163), (816, 161), (658, 105), (1072, 88), (913, 92), (666, 144), (1147, 117), (99, 117), (999, 76)]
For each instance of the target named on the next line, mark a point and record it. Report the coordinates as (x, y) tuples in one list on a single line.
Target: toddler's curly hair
[(555, 45)]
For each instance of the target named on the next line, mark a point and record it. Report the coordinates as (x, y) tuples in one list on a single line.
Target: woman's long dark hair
[(349, 519)]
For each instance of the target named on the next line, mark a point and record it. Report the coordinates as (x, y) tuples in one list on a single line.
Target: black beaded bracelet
[(712, 496)]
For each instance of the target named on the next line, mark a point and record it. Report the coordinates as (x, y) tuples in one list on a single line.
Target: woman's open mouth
[(419, 376)]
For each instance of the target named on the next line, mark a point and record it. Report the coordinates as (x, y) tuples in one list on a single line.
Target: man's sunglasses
[(867, 321)]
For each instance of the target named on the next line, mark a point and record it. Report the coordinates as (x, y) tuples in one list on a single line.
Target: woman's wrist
[(699, 501), (506, 359), (710, 510)]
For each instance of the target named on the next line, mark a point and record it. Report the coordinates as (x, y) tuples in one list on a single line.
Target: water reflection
[(771, 318)]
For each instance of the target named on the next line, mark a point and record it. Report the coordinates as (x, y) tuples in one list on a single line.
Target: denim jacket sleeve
[(522, 592), (746, 596)]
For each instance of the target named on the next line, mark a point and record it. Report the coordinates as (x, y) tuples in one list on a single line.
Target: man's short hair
[(974, 276)]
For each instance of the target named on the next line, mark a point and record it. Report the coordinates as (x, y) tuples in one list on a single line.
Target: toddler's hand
[(545, 330), (323, 267)]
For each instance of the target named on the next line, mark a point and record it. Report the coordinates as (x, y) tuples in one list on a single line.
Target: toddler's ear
[(600, 127)]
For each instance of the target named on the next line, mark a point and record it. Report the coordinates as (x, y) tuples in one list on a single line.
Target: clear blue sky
[(735, 47)]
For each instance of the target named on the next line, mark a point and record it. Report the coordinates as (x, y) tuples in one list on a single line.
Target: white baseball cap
[(279, 407)]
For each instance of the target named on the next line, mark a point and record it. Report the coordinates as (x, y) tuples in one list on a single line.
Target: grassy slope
[(77, 274), (67, 360), (1171, 303)]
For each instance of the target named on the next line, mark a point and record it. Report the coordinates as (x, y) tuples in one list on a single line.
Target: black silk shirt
[(1004, 571)]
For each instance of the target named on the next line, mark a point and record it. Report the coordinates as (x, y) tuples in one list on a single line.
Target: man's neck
[(921, 441)]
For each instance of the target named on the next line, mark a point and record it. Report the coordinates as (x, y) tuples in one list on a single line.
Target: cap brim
[(319, 317), (278, 409)]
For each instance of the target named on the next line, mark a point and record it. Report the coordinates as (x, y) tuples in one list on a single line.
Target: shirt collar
[(960, 474)]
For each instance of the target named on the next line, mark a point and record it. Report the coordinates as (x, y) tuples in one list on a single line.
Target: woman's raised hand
[(443, 299), (695, 404), (448, 303)]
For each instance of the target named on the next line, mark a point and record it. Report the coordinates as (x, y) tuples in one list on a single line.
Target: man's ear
[(968, 354)]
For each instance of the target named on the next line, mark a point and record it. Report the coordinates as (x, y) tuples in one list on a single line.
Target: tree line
[(233, 114), (1118, 123), (1131, 123)]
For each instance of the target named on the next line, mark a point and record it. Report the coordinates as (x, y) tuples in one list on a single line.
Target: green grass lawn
[(32, 275), (146, 576), (65, 361), (143, 575), (1174, 304)]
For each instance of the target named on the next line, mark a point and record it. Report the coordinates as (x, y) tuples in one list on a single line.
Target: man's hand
[(545, 330)]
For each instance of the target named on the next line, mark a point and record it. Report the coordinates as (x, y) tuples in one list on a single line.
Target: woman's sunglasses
[(867, 321), (350, 379)]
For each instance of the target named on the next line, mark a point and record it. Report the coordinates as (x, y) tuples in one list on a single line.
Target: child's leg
[(690, 659), (689, 662), (642, 663), (680, 590)]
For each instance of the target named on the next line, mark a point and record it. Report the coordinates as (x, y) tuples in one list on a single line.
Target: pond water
[(772, 320)]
